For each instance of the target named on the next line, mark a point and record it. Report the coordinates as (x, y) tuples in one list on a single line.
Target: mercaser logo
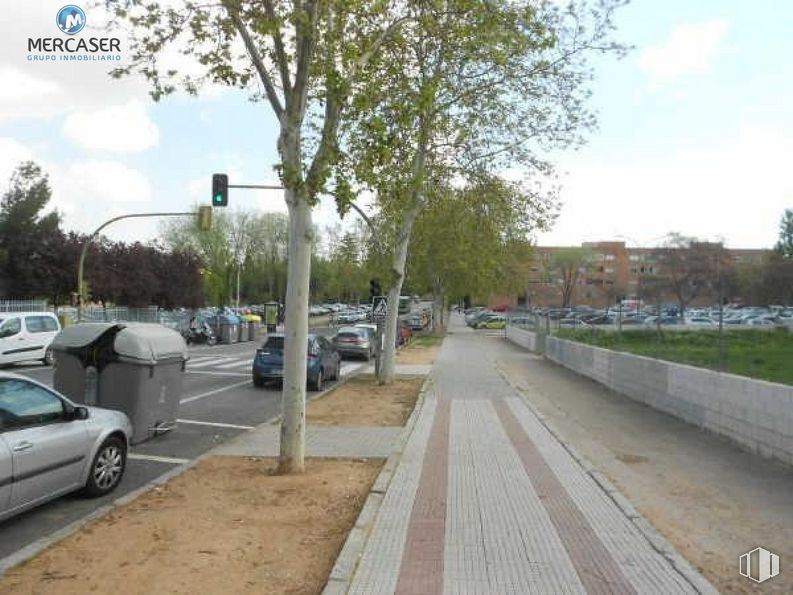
[(71, 19), (759, 565)]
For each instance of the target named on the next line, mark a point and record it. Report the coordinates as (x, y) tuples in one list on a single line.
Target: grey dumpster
[(132, 367), (80, 352), (253, 331), (242, 332), (145, 378)]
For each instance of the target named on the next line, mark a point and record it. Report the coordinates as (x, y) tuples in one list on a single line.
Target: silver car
[(49, 446)]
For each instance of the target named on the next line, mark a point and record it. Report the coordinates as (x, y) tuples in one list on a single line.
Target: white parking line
[(214, 392), (235, 364), (208, 373), (213, 424), (141, 457), (209, 362)]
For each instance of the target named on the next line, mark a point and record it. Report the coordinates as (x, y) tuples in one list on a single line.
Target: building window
[(609, 271), (634, 270), (634, 257), (610, 257)]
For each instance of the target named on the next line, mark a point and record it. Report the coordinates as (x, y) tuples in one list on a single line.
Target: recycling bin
[(253, 331), (136, 368)]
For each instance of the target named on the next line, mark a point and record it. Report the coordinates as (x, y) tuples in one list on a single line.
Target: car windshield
[(274, 343)]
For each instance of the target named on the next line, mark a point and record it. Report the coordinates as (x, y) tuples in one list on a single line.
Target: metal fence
[(23, 306)]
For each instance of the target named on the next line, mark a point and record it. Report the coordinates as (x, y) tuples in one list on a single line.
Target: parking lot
[(219, 401)]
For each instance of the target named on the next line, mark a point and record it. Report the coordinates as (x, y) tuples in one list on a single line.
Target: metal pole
[(84, 251)]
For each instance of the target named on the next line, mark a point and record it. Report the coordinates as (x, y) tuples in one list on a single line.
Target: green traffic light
[(218, 199)]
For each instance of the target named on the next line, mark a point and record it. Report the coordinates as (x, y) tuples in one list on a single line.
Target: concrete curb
[(650, 533), (346, 563), (35, 548)]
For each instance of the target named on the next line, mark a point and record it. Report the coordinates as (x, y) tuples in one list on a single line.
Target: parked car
[(323, 362), (49, 446), (355, 341), (492, 321), (27, 336)]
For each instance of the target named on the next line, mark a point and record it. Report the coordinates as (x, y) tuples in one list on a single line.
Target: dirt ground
[(362, 402), (712, 500), (228, 525), (418, 355)]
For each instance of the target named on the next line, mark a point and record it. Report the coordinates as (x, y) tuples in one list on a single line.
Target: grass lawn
[(767, 355), (426, 340)]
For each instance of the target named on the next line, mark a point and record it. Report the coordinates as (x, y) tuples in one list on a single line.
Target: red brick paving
[(421, 572)]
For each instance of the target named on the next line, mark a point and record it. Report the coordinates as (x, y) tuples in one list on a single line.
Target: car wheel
[(319, 382), (49, 357), (258, 381), (107, 468)]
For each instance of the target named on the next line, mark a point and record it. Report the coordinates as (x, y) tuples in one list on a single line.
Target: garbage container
[(145, 378), (253, 330), (136, 368), (242, 332), (80, 352)]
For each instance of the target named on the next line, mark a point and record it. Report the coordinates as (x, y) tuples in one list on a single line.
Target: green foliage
[(757, 354), (784, 247)]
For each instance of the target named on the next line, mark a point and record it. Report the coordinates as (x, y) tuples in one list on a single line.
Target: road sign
[(379, 306)]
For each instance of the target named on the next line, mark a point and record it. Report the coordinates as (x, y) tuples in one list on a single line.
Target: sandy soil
[(710, 499), (362, 402), (226, 526), (416, 355)]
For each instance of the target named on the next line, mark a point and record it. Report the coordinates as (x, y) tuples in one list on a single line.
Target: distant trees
[(784, 246), (569, 263), (39, 260)]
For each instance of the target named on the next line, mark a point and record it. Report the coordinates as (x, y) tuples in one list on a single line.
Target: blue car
[(323, 362)]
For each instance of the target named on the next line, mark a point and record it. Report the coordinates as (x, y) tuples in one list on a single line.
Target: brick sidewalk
[(486, 500)]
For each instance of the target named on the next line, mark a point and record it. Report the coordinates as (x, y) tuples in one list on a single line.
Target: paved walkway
[(486, 500)]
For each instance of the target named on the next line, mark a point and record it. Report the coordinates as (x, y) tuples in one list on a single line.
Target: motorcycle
[(200, 335)]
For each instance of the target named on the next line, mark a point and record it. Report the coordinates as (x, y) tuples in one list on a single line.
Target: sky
[(695, 131)]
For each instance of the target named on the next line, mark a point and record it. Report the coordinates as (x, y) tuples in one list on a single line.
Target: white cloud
[(122, 128), (735, 188), (26, 95), (88, 193), (689, 49), (12, 152)]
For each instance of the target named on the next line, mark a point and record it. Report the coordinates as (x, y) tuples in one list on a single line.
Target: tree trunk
[(293, 397), (438, 300), (388, 363)]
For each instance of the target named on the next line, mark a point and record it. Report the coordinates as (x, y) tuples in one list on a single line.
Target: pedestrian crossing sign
[(379, 306)]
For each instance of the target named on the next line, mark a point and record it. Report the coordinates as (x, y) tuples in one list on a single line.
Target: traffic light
[(204, 218), (220, 190), (374, 288)]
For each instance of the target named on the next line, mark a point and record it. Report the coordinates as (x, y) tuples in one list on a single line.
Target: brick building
[(612, 269)]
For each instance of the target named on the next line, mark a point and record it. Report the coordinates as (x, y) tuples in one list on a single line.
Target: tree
[(28, 238), (474, 240), (691, 268), (784, 247), (566, 265), (470, 87)]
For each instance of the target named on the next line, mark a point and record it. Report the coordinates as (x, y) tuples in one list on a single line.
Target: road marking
[(213, 424), (141, 457), (209, 362), (214, 392), (208, 373), (235, 364)]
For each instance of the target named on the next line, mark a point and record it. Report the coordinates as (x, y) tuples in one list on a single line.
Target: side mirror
[(79, 412)]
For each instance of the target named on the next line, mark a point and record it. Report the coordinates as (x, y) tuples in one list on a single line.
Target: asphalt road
[(219, 402)]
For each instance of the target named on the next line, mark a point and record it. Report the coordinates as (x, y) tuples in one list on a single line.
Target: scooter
[(200, 335)]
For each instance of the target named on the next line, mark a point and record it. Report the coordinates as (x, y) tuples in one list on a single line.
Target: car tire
[(212, 341), (107, 468), (258, 381), (49, 357), (319, 382)]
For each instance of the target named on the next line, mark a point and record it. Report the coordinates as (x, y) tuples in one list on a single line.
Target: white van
[(27, 336)]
